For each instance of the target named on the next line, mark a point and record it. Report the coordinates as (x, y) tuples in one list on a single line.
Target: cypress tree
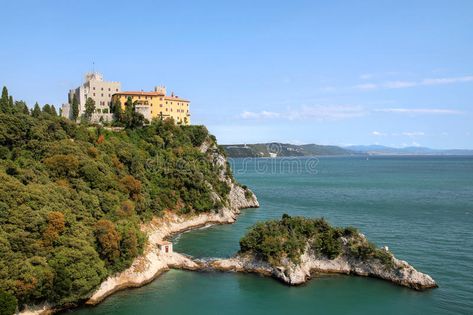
[(117, 110), (25, 109), (36, 112), (89, 108), (47, 109), (75, 108), (20, 108), (53, 111), (4, 101)]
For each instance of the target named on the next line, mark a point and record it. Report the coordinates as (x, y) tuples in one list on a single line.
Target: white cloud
[(367, 86), (408, 84), (315, 112), (438, 111), (413, 133), (325, 112), (399, 84), (438, 81), (378, 134), (258, 115)]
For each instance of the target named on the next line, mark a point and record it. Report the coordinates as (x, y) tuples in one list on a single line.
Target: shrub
[(8, 303), (275, 240)]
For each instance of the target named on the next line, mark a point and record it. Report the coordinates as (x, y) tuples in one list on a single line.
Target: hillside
[(73, 198), (275, 149)]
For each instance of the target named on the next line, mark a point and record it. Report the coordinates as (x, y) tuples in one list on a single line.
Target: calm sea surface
[(421, 207)]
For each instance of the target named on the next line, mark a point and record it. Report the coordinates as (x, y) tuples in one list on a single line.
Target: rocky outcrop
[(400, 272)]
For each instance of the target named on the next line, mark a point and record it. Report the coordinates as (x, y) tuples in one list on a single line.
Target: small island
[(293, 248)]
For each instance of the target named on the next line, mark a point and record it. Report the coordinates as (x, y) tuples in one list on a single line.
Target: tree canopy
[(288, 238), (74, 196)]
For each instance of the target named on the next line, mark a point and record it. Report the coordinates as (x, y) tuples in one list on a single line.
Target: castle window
[(94, 94), (102, 89), (116, 90), (102, 93)]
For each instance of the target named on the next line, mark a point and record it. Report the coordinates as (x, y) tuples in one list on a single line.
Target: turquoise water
[(421, 207)]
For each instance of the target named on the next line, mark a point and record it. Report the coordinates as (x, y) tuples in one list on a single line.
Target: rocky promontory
[(294, 249)]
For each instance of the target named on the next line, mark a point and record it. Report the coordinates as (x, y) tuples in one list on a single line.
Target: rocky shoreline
[(400, 272), (152, 263)]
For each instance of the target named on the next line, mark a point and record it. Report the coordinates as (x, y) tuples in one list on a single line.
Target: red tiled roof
[(141, 93), (175, 98)]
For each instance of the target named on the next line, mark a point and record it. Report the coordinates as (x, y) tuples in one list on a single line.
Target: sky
[(396, 73)]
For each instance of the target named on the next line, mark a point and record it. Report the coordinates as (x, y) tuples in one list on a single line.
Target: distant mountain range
[(276, 149), (383, 150)]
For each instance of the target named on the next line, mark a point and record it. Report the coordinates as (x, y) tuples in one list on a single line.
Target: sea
[(421, 207)]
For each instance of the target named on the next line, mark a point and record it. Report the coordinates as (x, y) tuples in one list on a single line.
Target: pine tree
[(75, 108), (10, 102), (36, 112)]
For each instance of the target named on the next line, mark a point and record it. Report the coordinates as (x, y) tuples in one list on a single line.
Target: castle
[(154, 104)]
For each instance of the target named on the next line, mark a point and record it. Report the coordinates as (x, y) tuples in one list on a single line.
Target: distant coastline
[(276, 149)]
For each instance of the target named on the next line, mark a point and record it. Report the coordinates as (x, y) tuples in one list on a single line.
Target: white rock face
[(402, 273)]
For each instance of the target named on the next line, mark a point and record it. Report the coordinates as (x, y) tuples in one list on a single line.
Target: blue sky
[(397, 73)]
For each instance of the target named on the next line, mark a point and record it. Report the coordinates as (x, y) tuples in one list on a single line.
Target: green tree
[(89, 108), (53, 111), (21, 107), (116, 110), (74, 108), (8, 303), (47, 109), (108, 240), (4, 101), (131, 118), (10, 102), (36, 112)]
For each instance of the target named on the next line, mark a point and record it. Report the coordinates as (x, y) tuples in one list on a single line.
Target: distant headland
[(277, 149)]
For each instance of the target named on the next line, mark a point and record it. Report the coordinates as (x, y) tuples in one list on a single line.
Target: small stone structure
[(165, 247)]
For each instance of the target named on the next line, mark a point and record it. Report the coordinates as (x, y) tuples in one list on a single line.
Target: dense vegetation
[(284, 150), (277, 240), (73, 197)]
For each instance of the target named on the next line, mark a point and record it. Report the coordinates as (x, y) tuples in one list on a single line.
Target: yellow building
[(157, 104)]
